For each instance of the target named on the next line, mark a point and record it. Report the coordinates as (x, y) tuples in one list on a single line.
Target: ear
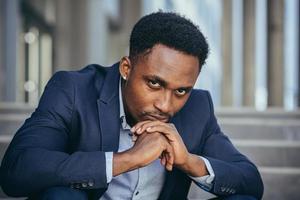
[(125, 67)]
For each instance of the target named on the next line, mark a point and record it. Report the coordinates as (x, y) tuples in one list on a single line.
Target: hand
[(149, 147), (181, 154), (190, 163)]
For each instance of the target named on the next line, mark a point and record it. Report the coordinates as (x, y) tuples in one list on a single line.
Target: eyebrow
[(164, 83)]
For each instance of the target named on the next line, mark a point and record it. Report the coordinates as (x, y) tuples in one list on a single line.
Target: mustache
[(158, 114)]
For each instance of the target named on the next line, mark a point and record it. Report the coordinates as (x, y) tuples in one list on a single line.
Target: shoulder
[(93, 74), (199, 97), (86, 72), (198, 104)]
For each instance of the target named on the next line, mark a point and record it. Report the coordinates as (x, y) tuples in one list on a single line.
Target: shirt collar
[(124, 123)]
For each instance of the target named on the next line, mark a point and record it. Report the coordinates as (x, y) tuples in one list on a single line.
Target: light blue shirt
[(145, 182)]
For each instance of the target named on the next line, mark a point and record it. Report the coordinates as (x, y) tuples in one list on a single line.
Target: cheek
[(140, 98)]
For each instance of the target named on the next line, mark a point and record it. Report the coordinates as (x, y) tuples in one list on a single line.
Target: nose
[(164, 102)]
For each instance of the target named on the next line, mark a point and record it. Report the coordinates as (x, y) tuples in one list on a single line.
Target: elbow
[(255, 183), (12, 186), (260, 187), (12, 182), (11, 190)]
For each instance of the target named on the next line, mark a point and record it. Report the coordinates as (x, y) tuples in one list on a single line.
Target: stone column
[(10, 30), (226, 91), (70, 34), (298, 95), (1, 51), (275, 53), (249, 53), (130, 12)]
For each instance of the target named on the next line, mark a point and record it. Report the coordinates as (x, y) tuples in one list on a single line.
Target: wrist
[(123, 162), (194, 166), (185, 166)]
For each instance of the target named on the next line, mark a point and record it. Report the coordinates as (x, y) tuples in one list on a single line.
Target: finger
[(134, 137), (163, 160), (138, 125), (169, 167), (170, 157), (143, 127), (166, 130)]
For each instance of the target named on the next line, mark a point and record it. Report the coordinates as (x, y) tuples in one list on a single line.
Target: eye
[(180, 92), (154, 84)]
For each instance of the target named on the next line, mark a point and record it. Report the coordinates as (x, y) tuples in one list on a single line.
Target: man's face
[(158, 84)]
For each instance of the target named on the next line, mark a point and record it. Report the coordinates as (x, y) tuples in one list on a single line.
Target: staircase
[(271, 139)]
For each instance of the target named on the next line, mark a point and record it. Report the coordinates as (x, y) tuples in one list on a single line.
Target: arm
[(190, 163), (234, 173), (38, 156), (146, 149)]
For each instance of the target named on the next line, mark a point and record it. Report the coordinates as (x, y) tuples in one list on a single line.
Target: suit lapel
[(108, 110)]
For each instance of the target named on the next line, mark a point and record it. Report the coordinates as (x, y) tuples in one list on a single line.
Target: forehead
[(174, 67)]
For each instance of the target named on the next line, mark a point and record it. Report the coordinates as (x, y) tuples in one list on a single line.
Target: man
[(136, 130)]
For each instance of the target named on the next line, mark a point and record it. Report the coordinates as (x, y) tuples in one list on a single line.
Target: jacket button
[(84, 185), (91, 183)]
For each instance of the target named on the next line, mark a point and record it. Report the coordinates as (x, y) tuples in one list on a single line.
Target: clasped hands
[(156, 139)]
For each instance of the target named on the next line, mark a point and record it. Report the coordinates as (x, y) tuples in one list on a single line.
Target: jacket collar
[(108, 110)]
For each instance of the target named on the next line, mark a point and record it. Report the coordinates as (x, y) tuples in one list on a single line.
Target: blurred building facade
[(253, 62), (253, 67)]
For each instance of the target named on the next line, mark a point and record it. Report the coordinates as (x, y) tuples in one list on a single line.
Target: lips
[(158, 118)]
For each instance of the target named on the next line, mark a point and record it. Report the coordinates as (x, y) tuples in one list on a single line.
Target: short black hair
[(170, 29)]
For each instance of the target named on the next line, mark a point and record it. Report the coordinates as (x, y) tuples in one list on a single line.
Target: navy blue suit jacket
[(64, 141)]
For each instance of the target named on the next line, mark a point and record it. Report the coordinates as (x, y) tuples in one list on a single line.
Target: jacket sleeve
[(38, 156), (234, 173)]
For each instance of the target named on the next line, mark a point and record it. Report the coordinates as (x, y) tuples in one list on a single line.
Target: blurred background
[(252, 71)]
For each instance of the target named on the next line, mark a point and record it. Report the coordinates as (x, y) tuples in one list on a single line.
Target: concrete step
[(10, 123), (196, 193), (280, 183), (271, 113), (270, 153), (261, 129), (16, 108), (4, 142)]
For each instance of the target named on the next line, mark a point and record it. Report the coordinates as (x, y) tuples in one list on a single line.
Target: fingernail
[(139, 130), (149, 128), (134, 138)]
